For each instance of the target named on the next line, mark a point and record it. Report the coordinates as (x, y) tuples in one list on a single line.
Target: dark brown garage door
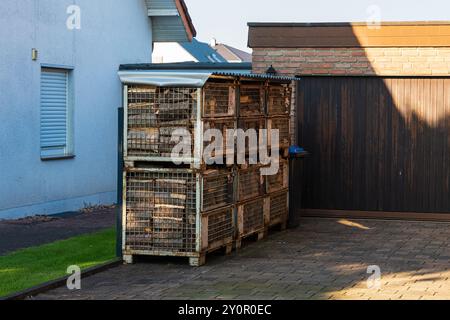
[(377, 144)]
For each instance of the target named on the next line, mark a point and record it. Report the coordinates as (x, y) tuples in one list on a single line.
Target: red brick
[(382, 61)]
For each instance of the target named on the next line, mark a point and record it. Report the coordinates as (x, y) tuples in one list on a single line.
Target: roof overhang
[(171, 21), (330, 35), (189, 74)]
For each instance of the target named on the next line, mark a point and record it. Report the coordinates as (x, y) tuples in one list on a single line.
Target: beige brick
[(440, 72), (383, 59), (410, 52), (342, 65), (427, 52), (373, 53), (436, 59), (399, 59), (392, 52), (417, 59), (275, 53), (297, 59)]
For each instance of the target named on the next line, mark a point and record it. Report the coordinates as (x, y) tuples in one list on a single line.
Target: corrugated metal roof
[(263, 76), (193, 66), (242, 70)]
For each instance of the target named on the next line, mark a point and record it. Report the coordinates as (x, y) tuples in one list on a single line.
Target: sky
[(226, 20)]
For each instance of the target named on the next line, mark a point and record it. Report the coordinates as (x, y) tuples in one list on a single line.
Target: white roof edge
[(161, 78), (165, 78)]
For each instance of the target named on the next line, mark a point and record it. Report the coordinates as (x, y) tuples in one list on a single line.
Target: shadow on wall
[(377, 143)]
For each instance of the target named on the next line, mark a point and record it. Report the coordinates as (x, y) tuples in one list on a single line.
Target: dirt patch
[(31, 220)]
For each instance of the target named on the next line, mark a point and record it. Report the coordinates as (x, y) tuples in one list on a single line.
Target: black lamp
[(271, 70)]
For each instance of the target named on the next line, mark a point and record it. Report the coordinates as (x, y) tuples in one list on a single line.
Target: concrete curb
[(60, 282)]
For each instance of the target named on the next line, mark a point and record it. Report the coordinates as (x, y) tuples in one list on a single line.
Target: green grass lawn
[(29, 267)]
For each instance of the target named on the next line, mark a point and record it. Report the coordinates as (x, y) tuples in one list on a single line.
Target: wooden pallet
[(251, 217), (195, 259), (278, 213), (257, 235), (217, 230), (200, 260), (280, 180)]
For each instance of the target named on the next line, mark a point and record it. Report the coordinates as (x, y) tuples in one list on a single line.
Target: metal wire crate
[(279, 99), (280, 180), (252, 99), (257, 124), (279, 209), (218, 229), (152, 114), (163, 210), (223, 125), (160, 212), (251, 183), (219, 100), (282, 124), (217, 188), (251, 217)]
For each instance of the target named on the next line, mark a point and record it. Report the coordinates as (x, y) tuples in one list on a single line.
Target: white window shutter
[(54, 112)]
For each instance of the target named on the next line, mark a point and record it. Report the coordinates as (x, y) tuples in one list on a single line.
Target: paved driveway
[(323, 259)]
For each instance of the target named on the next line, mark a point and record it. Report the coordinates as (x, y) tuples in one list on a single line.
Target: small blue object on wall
[(295, 150)]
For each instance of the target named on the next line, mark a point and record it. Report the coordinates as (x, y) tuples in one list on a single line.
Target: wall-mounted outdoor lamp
[(34, 54), (271, 70)]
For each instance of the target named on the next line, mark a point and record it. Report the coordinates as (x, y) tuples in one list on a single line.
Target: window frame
[(68, 152)]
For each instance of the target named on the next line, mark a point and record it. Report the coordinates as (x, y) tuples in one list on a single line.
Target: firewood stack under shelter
[(183, 205)]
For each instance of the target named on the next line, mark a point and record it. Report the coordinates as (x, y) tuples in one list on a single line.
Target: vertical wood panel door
[(376, 144)]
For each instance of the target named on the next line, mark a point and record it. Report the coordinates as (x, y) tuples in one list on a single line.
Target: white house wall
[(113, 32), (170, 52)]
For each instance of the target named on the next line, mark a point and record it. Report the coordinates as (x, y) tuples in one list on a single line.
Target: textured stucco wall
[(112, 32)]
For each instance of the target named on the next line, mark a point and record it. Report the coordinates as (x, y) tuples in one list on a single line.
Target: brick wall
[(354, 61)]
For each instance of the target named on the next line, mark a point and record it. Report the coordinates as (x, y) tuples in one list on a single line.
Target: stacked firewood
[(194, 208), (163, 201), (152, 120)]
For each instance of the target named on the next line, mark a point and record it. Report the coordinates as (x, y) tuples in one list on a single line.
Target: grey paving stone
[(322, 259)]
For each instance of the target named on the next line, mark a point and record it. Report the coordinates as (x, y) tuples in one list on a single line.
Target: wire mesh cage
[(161, 206), (252, 99), (280, 180), (282, 124), (223, 125), (153, 114), (251, 183), (279, 207), (217, 188), (219, 100), (251, 216), (279, 99), (252, 126), (160, 211), (188, 211), (218, 228)]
